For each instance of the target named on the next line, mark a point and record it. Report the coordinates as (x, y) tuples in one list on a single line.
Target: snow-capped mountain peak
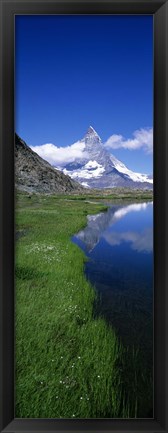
[(98, 168), (91, 132), (91, 138)]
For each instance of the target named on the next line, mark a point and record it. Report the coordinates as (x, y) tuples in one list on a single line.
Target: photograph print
[(84, 216)]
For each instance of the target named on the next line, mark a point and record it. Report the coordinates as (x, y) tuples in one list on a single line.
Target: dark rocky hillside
[(34, 174)]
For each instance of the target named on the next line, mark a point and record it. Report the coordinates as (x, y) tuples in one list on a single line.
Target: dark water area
[(119, 246)]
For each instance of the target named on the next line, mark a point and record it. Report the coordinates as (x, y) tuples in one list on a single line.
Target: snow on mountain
[(97, 168), (136, 177), (88, 171)]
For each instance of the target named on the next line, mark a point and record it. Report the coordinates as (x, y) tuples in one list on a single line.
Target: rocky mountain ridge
[(34, 174)]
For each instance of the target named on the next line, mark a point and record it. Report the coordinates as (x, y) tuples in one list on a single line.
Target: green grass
[(111, 194), (69, 364)]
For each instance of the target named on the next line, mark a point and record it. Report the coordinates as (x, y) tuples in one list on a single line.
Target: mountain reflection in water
[(119, 244)]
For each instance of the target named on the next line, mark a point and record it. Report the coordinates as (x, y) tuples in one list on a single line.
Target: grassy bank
[(117, 194), (68, 364)]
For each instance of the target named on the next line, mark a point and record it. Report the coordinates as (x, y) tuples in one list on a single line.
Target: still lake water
[(119, 245)]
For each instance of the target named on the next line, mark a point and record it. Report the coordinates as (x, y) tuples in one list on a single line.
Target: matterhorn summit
[(98, 168), (91, 137)]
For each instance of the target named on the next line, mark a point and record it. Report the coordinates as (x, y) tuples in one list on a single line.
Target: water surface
[(119, 245)]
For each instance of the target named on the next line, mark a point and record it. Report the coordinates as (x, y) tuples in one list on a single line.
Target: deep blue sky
[(76, 71)]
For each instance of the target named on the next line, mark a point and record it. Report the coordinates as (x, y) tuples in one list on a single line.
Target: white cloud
[(142, 139), (120, 213), (141, 242), (58, 156)]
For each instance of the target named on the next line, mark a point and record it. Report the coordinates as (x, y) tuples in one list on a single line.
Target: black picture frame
[(159, 10)]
